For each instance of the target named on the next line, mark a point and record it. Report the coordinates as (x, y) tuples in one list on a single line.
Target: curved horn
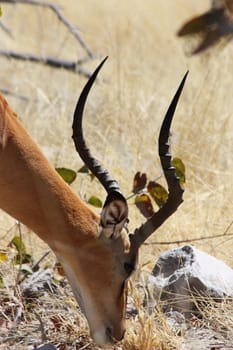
[(102, 174), (173, 182)]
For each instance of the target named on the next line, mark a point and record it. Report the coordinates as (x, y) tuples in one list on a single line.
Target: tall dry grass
[(124, 112)]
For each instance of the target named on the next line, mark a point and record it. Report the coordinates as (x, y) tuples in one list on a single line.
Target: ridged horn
[(110, 185), (175, 196)]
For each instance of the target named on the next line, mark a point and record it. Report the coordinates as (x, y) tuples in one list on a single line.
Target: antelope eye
[(129, 268)]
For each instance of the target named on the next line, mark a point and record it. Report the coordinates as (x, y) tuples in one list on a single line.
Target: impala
[(97, 252)]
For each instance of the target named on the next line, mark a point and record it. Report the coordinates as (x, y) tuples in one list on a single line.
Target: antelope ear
[(114, 215)]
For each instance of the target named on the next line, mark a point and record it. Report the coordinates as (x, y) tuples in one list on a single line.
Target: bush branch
[(50, 61), (190, 240), (55, 8)]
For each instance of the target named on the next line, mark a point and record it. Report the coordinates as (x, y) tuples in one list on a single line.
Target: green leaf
[(26, 269), (1, 281), (139, 182), (158, 193), (0, 11), (92, 176), (22, 256), (143, 203), (83, 170), (19, 245), (3, 256), (95, 201), (68, 175), (180, 169)]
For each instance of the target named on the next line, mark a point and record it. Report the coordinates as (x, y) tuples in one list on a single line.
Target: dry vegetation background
[(124, 112)]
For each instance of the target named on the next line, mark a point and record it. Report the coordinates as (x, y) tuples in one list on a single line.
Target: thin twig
[(190, 240), (11, 93), (41, 328), (6, 29), (35, 266), (14, 337), (73, 66), (18, 316), (8, 231), (20, 254), (55, 8), (85, 346)]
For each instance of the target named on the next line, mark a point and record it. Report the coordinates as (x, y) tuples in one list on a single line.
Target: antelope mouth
[(106, 336)]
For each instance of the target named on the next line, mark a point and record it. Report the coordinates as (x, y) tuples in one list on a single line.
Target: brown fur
[(32, 192)]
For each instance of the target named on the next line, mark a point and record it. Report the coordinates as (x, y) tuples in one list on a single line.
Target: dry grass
[(146, 63), (53, 316)]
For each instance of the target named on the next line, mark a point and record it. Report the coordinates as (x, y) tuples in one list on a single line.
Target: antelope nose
[(114, 336), (122, 335), (109, 334)]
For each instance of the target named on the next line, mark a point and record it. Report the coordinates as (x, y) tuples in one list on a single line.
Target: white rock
[(183, 274)]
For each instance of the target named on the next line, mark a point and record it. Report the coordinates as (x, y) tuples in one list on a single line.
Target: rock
[(183, 276), (37, 283)]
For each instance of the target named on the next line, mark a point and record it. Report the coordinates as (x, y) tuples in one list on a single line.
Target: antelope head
[(110, 257)]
